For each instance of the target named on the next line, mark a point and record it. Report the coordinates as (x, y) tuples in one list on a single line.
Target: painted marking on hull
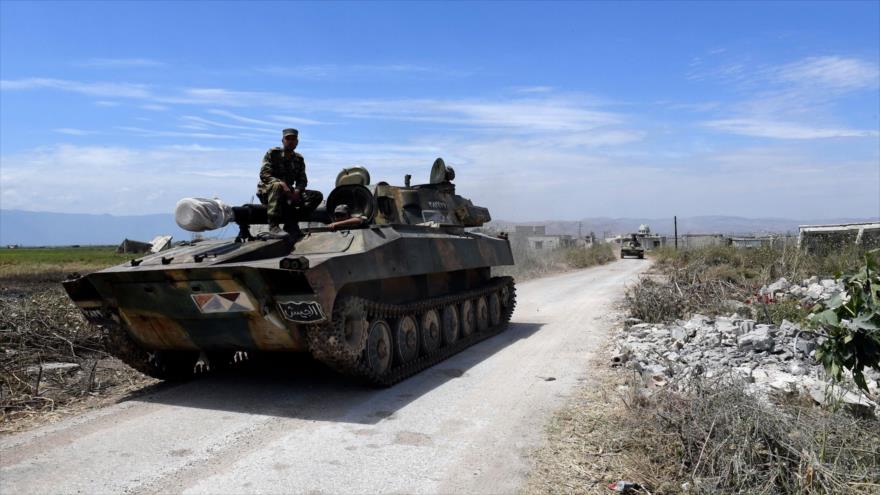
[(223, 302), (302, 311)]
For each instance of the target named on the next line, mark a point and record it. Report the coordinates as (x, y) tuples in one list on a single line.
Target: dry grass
[(705, 280), (710, 437), (39, 325), (533, 264)]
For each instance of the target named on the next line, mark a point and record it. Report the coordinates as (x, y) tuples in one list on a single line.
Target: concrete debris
[(52, 367), (808, 292), (772, 360), (760, 339)]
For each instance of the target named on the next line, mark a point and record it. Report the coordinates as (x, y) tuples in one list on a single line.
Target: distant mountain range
[(32, 228), (29, 228), (686, 225)]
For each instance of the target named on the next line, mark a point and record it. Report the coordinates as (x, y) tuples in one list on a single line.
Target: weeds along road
[(466, 425)]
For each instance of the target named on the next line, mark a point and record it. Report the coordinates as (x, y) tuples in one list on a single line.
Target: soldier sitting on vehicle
[(342, 219), (282, 187)]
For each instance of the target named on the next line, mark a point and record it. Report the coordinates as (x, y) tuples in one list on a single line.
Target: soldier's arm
[(301, 181), (354, 221), (266, 176)]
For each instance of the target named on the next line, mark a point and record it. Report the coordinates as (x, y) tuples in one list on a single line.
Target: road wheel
[(406, 339), (482, 314), (468, 319), (450, 324), (378, 353), (351, 331), (173, 365), (494, 309), (430, 332)]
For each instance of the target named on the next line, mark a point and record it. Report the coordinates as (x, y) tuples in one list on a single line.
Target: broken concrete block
[(815, 291), (804, 346), (52, 367), (779, 286), (679, 334), (760, 339)]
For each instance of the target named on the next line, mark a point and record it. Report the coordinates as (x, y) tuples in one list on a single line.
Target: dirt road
[(464, 426)]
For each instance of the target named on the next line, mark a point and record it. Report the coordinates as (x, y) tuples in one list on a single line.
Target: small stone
[(778, 286), (760, 339), (815, 291), (797, 369), (804, 346), (679, 334), (789, 329)]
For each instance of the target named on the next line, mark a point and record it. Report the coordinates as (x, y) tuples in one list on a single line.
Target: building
[(823, 239), (129, 246), (536, 238), (528, 230), (694, 241), (545, 242), (645, 237), (749, 242)]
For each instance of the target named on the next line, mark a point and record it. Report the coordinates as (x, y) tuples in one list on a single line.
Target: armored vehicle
[(381, 301), (632, 247)]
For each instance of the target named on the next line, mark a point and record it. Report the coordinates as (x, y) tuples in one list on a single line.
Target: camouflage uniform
[(280, 167)]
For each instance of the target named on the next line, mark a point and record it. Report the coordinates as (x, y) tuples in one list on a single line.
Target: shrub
[(851, 323)]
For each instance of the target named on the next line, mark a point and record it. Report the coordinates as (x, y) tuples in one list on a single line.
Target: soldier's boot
[(292, 228), (275, 232)]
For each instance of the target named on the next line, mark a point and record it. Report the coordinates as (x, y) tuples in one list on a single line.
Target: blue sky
[(546, 110)]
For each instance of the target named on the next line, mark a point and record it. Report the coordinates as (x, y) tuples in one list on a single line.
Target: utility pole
[(675, 222), (580, 230)]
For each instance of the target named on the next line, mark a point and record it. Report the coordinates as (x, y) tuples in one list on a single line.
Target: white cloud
[(336, 71), (527, 115), (517, 179), (204, 123), (534, 89), (795, 100), (275, 120), (783, 130), (831, 72), (112, 63), (155, 107), (120, 180), (100, 89), (156, 133), (73, 132)]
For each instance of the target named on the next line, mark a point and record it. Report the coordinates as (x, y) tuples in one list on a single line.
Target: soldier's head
[(342, 212), (289, 139)]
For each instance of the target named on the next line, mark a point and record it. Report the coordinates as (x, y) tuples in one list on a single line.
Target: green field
[(25, 262)]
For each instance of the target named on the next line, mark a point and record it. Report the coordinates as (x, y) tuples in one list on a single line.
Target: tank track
[(324, 340), (172, 366)]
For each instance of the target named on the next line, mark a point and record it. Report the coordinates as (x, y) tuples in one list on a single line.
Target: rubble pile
[(808, 292), (771, 359)]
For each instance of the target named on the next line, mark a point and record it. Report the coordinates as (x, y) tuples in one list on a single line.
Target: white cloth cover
[(200, 214)]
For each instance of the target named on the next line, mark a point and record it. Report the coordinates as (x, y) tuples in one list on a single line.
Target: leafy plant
[(850, 322)]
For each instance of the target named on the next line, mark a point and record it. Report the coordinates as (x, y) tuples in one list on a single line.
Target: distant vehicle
[(632, 247), (380, 301)]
